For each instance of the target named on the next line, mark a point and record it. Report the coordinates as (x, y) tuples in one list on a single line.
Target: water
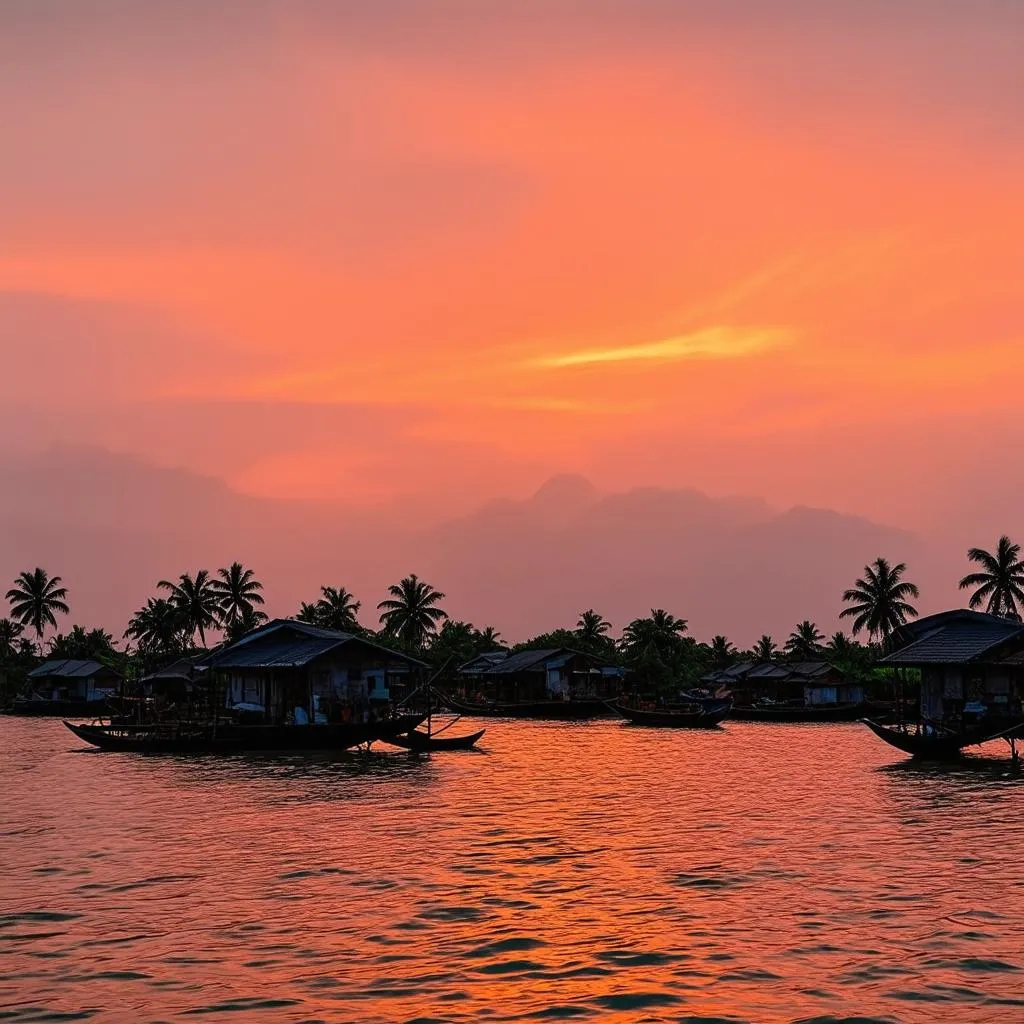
[(569, 872)]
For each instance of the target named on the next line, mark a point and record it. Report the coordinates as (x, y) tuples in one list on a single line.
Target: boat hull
[(240, 739), (820, 713), (421, 743), (56, 708), (942, 747), (707, 717), (545, 710)]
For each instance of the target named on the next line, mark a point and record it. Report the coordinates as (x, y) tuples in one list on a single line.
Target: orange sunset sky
[(412, 257)]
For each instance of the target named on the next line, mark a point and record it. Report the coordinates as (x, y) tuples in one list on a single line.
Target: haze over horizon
[(335, 288)]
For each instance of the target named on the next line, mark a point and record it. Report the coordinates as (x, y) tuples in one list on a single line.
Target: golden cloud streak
[(711, 342)]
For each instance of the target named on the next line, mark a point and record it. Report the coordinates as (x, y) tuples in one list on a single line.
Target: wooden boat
[(548, 710), (38, 707), (694, 716), (929, 742), (423, 742), (192, 738), (798, 712)]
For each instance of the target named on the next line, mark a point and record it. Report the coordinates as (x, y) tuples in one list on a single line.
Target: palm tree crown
[(1000, 583), (660, 633), (411, 613), (592, 626), (805, 641), (337, 609), (9, 632), (158, 627), (238, 592), (878, 600), (765, 649), (198, 600), (37, 599)]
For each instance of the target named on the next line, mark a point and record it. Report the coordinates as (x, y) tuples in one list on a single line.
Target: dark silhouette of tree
[(159, 628), (840, 647), (198, 601), (87, 645), (412, 613), (878, 600), (489, 639), (765, 649), (804, 643), (250, 619), (592, 627), (9, 633), (335, 609), (1000, 583), (722, 652), (238, 592), (660, 633), (36, 600)]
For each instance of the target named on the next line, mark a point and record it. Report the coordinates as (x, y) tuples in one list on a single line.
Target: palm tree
[(198, 601), (250, 619), (411, 613), (158, 627), (659, 632), (489, 639), (1000, 583), (238, 592), (878, 600), (840, 646), (592, 626), (722, 652), (805, 641), (309, 613), (765, 649), (9, 632), (337, 609), (36, 599)]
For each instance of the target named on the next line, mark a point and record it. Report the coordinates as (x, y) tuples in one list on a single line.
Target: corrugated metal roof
[(958, 642), (526, 661), (283, 652), (68, 668)]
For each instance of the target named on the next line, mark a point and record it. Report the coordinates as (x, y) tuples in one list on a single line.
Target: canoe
[(798, 712), (945, 745), (421, 742), (548, 710), (695, 717), (185, 738)]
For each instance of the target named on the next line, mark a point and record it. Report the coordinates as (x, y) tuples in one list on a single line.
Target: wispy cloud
[(722, 342)]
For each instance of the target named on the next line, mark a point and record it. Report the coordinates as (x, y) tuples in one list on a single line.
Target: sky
[(416, 256)]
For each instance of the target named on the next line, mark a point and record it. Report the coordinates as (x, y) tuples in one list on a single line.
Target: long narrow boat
[(40, 707), (424, 743), (798, 712), (182, 738), (550, 710), (694, 717), (938, 744)]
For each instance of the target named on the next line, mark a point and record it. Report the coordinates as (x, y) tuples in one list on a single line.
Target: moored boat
[(550, 710), (230, 738), (693, 716), (927, 741), (424, 743), (798, 712)]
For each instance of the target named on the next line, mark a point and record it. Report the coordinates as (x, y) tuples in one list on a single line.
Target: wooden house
[(74, 679), (289, 670), (551, 674), (971, 664)]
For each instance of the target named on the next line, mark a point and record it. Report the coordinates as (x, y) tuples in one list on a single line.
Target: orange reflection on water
[(568, 871)]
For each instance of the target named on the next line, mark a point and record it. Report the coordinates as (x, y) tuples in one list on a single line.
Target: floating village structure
[(541, 675), (971, 664), (291, 671)]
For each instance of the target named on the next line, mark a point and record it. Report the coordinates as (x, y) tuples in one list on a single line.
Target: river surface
[(566, 872)]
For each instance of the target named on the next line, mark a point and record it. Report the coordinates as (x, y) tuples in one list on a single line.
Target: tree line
[(656, 647)]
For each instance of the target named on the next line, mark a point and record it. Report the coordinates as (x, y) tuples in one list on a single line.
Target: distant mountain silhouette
[(112, 525)]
